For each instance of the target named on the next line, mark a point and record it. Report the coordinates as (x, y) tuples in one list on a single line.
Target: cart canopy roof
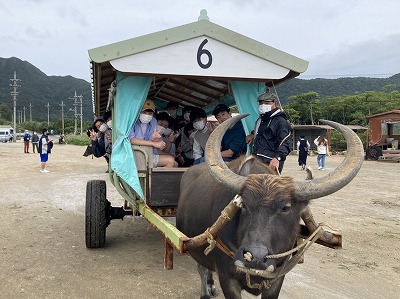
[(190, 64), (200, 64)]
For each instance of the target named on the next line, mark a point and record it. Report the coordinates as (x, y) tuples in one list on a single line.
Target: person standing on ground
[(302, 150), (45, 146), (322, 150), (27, 138), (271, 135), (35, 142)]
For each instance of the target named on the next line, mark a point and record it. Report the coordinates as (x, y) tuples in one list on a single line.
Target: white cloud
[(337, 37), (372, 58)]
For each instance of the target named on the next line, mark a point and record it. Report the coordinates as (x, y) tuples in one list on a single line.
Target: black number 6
[(201, 51)]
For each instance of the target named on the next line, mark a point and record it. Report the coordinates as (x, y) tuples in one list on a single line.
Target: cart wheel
[(96, 214), (373, 153)]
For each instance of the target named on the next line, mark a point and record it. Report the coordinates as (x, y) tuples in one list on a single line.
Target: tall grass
[(77, 139)]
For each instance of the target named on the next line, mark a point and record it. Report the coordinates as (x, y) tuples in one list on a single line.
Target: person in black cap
[(271, 134), (234, 141)]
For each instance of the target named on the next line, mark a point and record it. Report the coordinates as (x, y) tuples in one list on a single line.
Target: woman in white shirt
[(322, 149)]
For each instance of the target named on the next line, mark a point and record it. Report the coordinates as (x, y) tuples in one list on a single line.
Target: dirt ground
[(43, 253)]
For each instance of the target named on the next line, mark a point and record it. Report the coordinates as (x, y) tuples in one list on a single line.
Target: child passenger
[(144, 132)]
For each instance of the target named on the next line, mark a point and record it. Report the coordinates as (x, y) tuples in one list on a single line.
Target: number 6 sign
[(201, 51)]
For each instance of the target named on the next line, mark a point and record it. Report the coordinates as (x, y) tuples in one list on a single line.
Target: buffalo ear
[(246, 166), (310, 173)]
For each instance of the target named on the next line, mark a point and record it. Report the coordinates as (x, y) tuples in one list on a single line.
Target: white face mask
[(145, 118), (264, 108), (103, 128), (109, 124), (199, 125), (186, 116)]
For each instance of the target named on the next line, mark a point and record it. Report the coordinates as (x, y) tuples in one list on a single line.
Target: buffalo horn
[(215, 164), (342, 175)]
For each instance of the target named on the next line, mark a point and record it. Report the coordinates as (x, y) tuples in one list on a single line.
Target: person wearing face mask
[(144, 132), (172, 109), (107, 116), (199, 119), (168, 136), (234, 140), (183, 144), (186, 114), (45, 146), (101, 135), (271, 134)]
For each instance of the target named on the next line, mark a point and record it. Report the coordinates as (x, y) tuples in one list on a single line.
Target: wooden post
[(168, 255)]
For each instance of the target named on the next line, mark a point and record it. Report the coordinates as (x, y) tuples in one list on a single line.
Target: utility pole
[(81, 114), (77, 101), (30, 112), (14, 93), (75, 112), (24, 113), (48, 113), (62, 116)]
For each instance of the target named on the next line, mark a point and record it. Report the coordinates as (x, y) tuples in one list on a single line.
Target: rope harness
[(290, 261)]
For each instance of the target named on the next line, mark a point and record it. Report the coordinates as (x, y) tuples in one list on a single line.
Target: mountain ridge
[(38, 89)]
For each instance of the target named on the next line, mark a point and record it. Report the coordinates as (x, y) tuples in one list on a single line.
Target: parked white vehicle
[(6, 133)]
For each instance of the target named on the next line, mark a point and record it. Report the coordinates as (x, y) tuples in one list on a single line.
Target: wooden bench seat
[(161, 185)]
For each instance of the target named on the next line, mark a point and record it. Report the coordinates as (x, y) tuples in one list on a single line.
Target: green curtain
[(246, 94), (131, 94)]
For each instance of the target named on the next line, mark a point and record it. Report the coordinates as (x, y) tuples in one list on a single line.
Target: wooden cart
[(199, 64)]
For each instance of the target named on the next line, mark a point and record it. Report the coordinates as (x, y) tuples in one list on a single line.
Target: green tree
[(307, 106), (5, 113)]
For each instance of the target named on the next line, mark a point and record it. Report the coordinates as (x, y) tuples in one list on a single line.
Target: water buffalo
[(267, 223)]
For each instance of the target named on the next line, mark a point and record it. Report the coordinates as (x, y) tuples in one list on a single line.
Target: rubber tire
[(95, 212), (373, 153)]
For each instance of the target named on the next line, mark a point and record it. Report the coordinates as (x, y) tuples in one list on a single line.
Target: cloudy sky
[(339, 38)]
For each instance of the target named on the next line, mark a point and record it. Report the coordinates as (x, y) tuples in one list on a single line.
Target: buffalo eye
[(286, 208)]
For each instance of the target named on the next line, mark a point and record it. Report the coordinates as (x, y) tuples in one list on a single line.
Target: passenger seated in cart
[(144, 132), (234, 141), (100, 134), (172, 109), (184, 146), (199, 119), (164, 122)]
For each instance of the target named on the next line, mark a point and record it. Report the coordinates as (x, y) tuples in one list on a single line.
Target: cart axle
[(119, 213)]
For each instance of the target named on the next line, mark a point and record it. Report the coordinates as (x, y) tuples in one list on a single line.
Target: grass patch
[(77, 139), (389, 235), (341, 266)]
